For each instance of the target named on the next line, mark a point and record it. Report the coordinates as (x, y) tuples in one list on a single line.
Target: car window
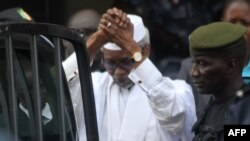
[(25, 92)]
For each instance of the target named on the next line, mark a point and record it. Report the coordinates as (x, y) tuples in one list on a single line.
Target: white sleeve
[(70, 67), (167, 97)]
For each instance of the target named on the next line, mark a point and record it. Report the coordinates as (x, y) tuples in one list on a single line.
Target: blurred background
[(169, 21)]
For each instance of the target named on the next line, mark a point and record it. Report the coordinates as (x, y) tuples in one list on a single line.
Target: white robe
[(158, 110), (138, 118)]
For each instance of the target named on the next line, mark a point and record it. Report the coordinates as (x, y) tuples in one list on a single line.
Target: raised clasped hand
[(117, 26)]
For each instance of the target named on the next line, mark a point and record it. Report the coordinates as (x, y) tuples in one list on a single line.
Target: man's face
[(118, 64), (208, 74), (238, 13)]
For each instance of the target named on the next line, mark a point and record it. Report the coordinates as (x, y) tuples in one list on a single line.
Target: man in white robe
[(134, 102)]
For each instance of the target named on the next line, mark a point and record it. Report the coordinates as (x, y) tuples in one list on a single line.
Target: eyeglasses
[(243, 22), (125, 63)]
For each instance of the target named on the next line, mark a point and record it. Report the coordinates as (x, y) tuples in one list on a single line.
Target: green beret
[(215, 37)]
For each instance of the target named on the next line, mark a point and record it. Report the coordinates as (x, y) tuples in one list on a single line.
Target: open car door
[(35, 102)]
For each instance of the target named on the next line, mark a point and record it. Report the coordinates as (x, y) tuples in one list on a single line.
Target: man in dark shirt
[(218, 52)]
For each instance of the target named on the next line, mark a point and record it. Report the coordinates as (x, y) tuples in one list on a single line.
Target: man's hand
[(112, 18), (119, 29)]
